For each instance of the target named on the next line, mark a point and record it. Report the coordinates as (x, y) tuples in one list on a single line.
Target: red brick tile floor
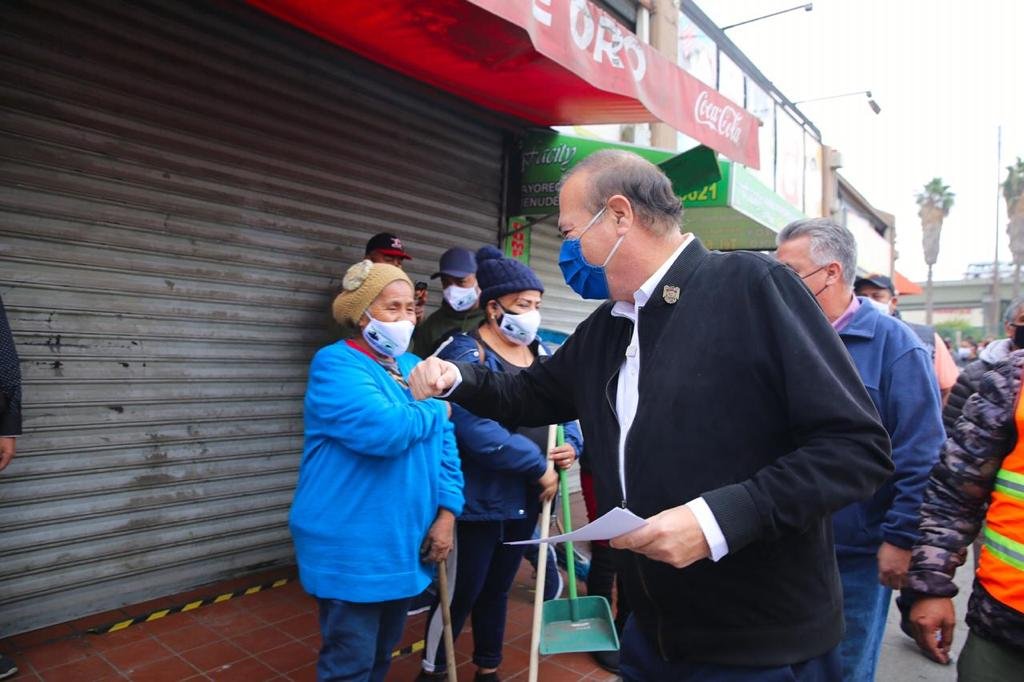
[(269, 635)]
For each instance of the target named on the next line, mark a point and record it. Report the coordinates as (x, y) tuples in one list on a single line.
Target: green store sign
[(730, 209), (546, 157)]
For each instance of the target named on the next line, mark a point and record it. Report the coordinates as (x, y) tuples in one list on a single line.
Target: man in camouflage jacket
[(954, 507), (995, 352)]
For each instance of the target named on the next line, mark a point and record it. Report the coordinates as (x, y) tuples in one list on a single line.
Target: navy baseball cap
[(456, 262), (880, 281), (388, 244)]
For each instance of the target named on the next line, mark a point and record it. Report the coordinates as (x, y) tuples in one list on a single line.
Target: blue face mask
[(589, 281)]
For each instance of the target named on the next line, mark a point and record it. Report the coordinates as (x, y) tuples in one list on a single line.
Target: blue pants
[(358, 639), (865, 607), (640, 662), (480, 572)]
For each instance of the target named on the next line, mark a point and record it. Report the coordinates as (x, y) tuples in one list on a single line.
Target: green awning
[(725, 204), (737, 212)]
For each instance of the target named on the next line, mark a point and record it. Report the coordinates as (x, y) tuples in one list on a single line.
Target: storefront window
[(697, 53), (730, 79), (789, 162), (761, 105), (812, 177)]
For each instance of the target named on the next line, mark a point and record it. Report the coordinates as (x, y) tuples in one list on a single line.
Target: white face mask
[(461, 299), (882, 307), (388, 338), (519, 329)]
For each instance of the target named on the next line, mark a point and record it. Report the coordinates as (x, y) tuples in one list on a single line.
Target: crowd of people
[(797, 450)]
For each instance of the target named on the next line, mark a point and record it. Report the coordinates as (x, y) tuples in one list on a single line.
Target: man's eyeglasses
[(565, 235)]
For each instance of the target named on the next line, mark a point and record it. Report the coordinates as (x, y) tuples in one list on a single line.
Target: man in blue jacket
[(873, 537)]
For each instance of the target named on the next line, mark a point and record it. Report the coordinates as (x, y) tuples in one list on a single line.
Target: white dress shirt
[(627, 396)]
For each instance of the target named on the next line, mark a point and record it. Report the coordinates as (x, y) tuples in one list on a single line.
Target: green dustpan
[(576, 623)]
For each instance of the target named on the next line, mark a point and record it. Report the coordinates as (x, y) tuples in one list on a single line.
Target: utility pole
[(996, 303)]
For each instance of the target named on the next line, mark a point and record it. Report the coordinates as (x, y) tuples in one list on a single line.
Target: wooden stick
[(446, 617), (542, 567)]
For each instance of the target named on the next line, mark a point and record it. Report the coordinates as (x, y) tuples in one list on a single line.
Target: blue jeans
[(865, 607), (640, 662), (358, 639)]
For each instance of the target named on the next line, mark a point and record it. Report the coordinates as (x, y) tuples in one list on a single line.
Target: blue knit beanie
[(497, 275)]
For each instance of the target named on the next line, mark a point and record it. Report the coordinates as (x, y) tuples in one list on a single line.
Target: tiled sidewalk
[(270, 635)]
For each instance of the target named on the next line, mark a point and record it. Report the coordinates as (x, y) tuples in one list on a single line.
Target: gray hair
[(613, 171), (1013, 310), (829, 242)]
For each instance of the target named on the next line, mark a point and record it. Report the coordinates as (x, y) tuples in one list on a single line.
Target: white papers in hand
[(613, 524)]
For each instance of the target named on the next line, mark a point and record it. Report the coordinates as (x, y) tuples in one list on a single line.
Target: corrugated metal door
[(181, 186), (563, 308)]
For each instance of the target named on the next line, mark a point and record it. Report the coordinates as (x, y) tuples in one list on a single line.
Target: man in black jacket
[(723, 408), (10, 392), (10, 422)]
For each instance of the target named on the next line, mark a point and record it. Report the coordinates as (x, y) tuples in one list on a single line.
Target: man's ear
[(834, 271), (621, 211)]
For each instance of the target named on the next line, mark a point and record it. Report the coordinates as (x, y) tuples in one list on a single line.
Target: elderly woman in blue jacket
[(506, 470), (379, 483)]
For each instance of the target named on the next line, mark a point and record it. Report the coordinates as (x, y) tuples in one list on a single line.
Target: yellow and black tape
[(190, 606), (193, 605), (411, 649)]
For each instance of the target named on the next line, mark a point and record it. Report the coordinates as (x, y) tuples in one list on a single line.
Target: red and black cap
[(388, 244)]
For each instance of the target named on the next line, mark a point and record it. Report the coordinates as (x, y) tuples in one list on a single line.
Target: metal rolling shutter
[(181, 186), (563, 308)]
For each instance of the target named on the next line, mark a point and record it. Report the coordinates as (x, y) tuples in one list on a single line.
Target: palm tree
[(935, 201), (1013, 188)]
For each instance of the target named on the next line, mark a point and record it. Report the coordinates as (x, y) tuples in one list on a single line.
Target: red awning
[(551, 62), (904, 287)]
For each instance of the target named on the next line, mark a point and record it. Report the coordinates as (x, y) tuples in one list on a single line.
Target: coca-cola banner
[(584, 39), (550, 62)]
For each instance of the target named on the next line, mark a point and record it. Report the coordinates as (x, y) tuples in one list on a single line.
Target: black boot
[(609, 660)]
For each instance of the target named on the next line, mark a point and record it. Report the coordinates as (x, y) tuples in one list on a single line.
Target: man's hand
[(6, 451), (893, 564), (438, 543), (932, 619), (548, 484), (563, 456), (431, 378), (673, 536)]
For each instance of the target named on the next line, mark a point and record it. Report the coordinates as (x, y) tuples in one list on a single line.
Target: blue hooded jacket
[(899, 375), (500, 467), (376, 467)]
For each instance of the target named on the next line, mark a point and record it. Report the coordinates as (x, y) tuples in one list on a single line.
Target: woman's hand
[(439, 540), (548, 484), (563, 456)]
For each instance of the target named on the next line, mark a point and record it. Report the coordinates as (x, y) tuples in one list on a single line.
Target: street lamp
[(807, 8), (871, 102)]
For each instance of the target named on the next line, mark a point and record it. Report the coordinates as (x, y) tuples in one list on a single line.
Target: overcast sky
[(945, 73)]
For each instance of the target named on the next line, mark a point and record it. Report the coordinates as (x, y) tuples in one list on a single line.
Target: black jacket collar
[(679, 274)]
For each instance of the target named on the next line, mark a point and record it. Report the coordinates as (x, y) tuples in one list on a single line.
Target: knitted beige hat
[(361, 285)]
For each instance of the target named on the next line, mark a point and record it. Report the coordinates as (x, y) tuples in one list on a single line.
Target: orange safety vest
[(1001, 566)]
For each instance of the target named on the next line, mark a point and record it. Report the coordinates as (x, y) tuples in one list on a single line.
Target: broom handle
[(570, 558), (446, 616), (542, 567)]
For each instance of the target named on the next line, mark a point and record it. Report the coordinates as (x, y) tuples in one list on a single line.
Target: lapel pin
[(670, 294)]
